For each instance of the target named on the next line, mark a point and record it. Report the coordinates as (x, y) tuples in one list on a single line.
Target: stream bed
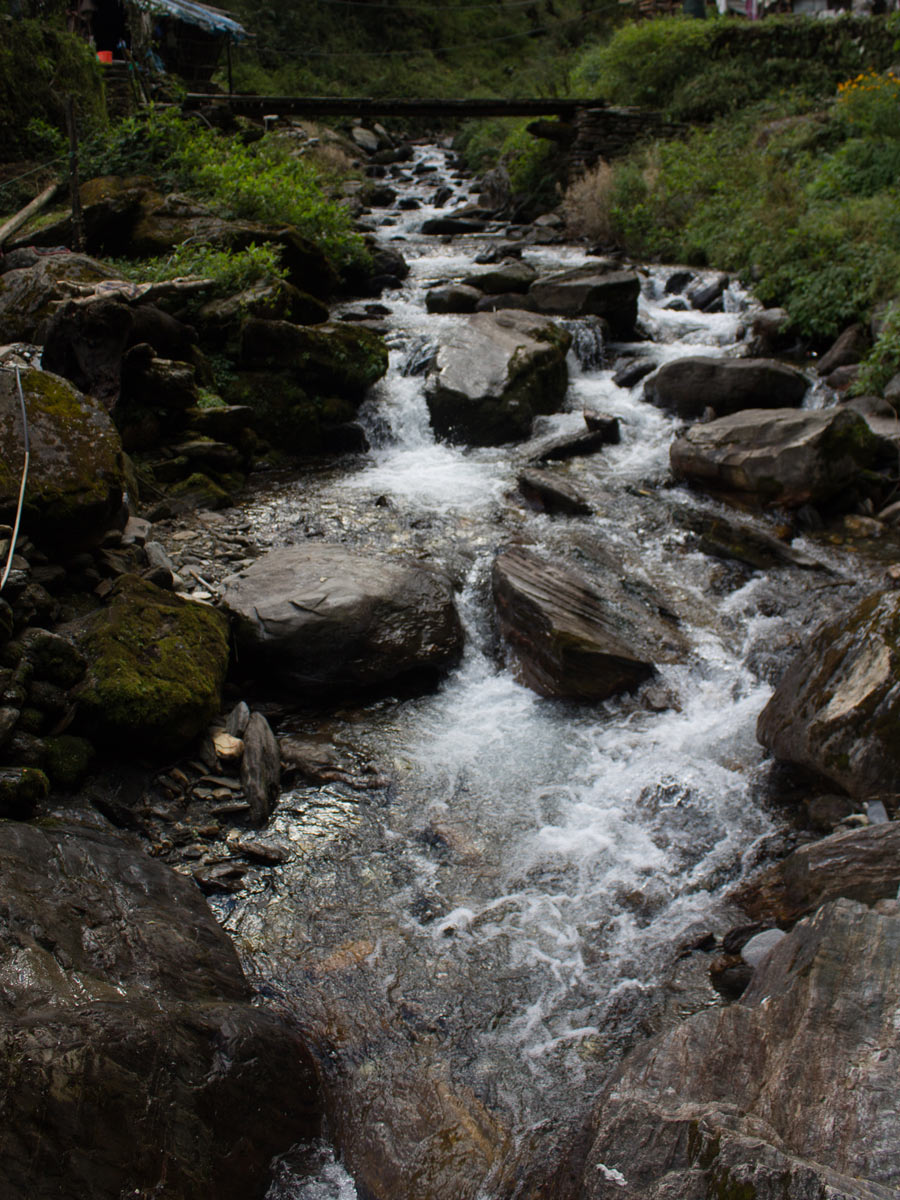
[(485, 908)]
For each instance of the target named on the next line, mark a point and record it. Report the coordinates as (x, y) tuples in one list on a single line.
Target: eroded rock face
[(131, 1058), (76, 473), (575, 636), (156, 666), (326, 620), (837, 709), (781, 456), (857, 864), (688, 386), (780, 1094), (591, 291), (494, 374)]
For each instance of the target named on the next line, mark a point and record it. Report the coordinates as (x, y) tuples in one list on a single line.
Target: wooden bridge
[(590, 129)]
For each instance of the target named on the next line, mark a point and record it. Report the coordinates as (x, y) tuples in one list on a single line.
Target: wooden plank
[(30, 210), (364, 106)]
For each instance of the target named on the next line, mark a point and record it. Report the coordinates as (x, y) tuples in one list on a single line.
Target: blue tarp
[(213, 20)]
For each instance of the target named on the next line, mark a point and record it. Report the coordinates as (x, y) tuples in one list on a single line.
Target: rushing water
[(476, 926)]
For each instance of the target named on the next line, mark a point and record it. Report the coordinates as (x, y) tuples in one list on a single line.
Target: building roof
[(213, 20)]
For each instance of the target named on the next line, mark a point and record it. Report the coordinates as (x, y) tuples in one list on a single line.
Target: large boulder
[(688, 386), (856, 864), (156, 666), (131, 1056), (76, 472), (575, 636), (493, 374), (332, 359), (592, 290), (783, 456), (328, 620), (30, 295), (512, 275), (785, 1094), (836, 711), (88, 338)]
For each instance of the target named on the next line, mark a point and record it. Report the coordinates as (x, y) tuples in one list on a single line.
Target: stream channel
[(478, 920)]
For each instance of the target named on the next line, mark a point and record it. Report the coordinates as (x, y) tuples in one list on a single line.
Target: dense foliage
[(795, 190)]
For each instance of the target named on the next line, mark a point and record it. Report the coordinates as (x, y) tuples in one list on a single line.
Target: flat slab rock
[(688, 386), (325, 619), (780, 456), (788, 1093), (130, 1049), (836, 711), (857, 864), (576, 636)]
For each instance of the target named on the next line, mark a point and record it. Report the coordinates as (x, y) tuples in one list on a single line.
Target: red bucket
[(105, 56)]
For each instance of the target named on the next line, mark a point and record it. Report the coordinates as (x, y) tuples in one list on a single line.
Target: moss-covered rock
[(291, 419), (29, 295), (67, 760), (333, 359), (53, 658), (201, 492), (156, 668), (76, 474), (21, 789)]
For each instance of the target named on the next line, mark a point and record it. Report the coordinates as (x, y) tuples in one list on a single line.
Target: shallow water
[(471, 946)]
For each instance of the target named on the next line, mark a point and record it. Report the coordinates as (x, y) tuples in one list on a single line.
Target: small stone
[(260, 768), (236, 721)]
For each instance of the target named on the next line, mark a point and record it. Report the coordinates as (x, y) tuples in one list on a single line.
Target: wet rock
[(677, 282), (513, 275), (506, 300), (552, 493), (452, 298), (260, 769), (575, 445), (576, 636), (836, 711), (452, 225), (591, 291), (76, 475), (858, 864), (729, 538), (632, 372), (325, 619), (688, 386), (156, 668), (841, 379), (770, 331), (493, 374), (779, 1094), (130, 1051), (707, 293), (782, 456), (338, 359), (847, 350), (30, 295)]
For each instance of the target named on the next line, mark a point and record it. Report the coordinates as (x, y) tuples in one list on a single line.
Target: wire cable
[(15, 534)]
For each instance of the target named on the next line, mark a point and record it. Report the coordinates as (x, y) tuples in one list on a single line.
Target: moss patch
[(157, 665)]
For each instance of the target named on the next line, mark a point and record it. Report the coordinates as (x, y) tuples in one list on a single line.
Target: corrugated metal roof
[(213, 20)]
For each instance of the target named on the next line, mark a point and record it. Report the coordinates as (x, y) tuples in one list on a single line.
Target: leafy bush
[(870, 104), (147, 143), (882, 362), (533, 164), (645, 62), (230, 270)]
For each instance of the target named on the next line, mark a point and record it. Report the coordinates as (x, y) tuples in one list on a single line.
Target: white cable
[(12, 544)]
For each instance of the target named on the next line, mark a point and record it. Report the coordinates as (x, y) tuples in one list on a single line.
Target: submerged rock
[(130, 1051), (836, 711), (782, 456), (688, 386), (76, 474), (328, 620), (781, 1094), (575, 636), (156, 668), (494, 374)]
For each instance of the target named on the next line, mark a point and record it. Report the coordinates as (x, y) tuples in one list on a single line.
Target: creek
[(485, 910)]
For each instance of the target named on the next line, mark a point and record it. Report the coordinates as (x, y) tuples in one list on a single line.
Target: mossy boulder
[(76, 473), (156, 668), (199, 491), (286, 415), (21, 789), (30, 295), (220, 320), (836, 711), (338, 359)]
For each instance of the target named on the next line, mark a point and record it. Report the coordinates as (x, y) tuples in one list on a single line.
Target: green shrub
[(870, 104), (882, 362), (230, 270), (645, 62)]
